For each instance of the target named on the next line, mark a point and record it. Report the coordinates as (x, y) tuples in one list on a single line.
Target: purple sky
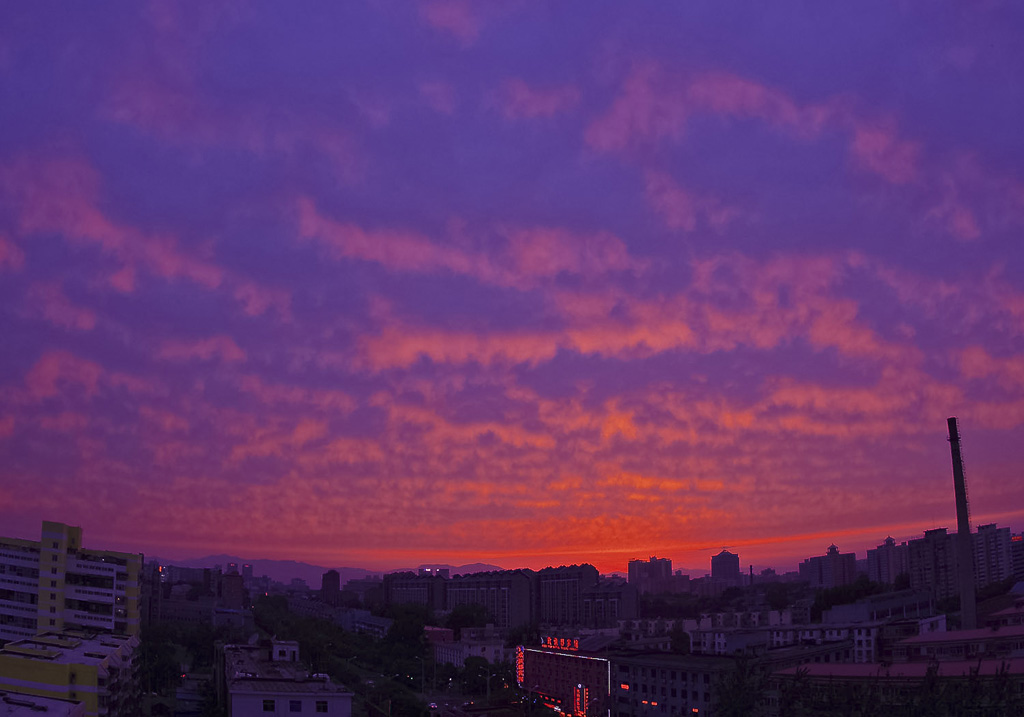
[(372, 283)]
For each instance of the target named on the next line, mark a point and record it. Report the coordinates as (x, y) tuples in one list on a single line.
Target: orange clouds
[(654, 104), (62, 196), (530, 255)]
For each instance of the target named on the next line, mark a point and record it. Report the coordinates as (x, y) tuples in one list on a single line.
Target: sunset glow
[(381, 283)]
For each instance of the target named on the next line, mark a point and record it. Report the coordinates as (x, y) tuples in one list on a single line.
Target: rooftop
[(981, 633), (908, 670), (249, 670), (66, 648)]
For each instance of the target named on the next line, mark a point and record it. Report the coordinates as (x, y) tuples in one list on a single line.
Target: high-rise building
[(993, 557), (560, 593), (888, 561), (932, 561), (98, 670), (830, 570), (726, 566), (55, 584), (1017, 555), (330, 588), (651, 576), (506, 595)]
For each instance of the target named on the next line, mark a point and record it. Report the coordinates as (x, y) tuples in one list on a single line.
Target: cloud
[(458, 18), (49, 301), (879, 149), (56, 371), (732, 302), (61, 195), (11, 257), (257, 300), (517, 100), (655, 104), (680, 208), (530, 255), (439, 96), (976, 363), (222, 348)]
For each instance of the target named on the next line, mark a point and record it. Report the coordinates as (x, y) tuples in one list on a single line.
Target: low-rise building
[(269, 679), (980, 644)]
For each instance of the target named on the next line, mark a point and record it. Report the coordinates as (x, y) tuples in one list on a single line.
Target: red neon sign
[(520, 665), (560, 643)]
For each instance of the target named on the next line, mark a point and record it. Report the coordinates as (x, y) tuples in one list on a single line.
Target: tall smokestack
[(964, 546)]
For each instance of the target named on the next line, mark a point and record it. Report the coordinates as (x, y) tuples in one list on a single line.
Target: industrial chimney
[(964, 546)]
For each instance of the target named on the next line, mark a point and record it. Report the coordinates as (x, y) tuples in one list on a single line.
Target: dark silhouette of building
[(651, 576), (410, 588), (726, 567), (560, 593), (830, 570), (232, 595), (506, 595), (888, 561), (611, 600), (330, 588), (932, 561)]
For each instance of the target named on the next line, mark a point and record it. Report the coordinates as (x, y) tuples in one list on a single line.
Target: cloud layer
[(393, 283)]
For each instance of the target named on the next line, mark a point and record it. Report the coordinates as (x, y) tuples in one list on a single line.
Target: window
[(53, 596), (294, 705), (321, 705), (56, 545), (269, 706), (53, 558), (53, 611), (53, 583), (53, 622)]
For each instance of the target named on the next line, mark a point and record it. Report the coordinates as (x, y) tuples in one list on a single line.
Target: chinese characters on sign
[(560, 643)]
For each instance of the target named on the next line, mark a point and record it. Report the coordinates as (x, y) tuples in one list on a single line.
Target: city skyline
[(396, 283)]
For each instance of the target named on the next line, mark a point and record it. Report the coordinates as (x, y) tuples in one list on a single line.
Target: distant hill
[(284, 570)]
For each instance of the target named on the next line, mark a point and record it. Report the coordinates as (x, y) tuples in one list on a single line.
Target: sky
[(384, 282)]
